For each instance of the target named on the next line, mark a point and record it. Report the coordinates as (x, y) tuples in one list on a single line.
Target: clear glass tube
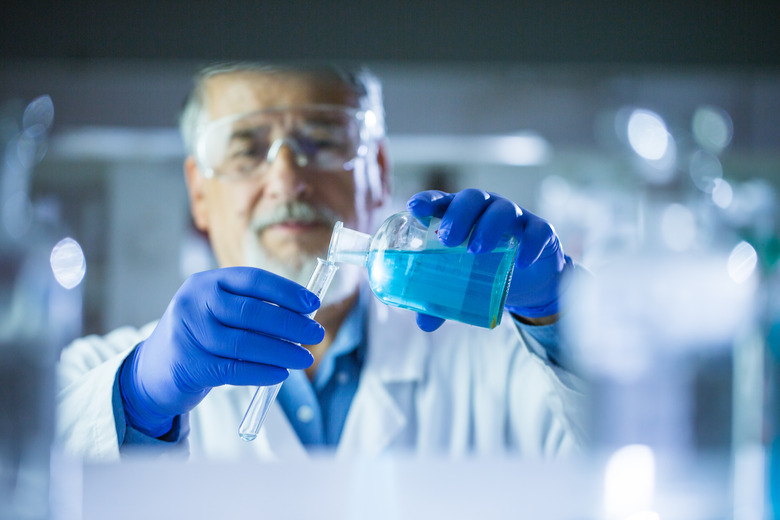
[(265, 395)]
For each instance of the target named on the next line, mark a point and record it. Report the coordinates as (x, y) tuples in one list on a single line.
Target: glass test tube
[(265, 395)]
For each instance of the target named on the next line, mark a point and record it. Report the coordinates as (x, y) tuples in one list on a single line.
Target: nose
[(300, 157), (285, 178)]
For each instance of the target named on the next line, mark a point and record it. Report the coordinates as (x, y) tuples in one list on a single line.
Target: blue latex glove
[(539, 262), (237, 325)]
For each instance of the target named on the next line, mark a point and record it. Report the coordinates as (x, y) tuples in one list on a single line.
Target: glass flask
[(409, 268)]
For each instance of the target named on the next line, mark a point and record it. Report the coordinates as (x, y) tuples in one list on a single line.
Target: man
[(276, 156)]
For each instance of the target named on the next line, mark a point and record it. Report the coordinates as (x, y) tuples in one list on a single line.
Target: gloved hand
[(539, 263), (237, 325)]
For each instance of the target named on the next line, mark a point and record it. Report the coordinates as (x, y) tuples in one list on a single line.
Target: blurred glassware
[(666, 330), (38, 316), (772, 403)]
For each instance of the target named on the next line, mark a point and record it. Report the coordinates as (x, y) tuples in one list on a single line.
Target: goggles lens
[(240, 146)]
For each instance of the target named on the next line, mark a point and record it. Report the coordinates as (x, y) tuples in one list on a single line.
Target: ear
[(381, 179), (196, 190)]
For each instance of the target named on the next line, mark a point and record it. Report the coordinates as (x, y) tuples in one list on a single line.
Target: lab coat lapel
[(397, 353), (213, 429), (280, 437)]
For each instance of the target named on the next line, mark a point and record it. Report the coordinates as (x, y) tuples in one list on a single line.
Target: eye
[(247, 150), (248, 142), (243, 156)]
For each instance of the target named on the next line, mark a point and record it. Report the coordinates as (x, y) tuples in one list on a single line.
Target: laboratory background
[(648, 135)]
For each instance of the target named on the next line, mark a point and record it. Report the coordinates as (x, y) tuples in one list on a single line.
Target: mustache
[(293, 211)]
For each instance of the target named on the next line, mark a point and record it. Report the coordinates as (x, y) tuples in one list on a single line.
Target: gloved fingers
[(428, 323), (242, 345), (232, 372), (463, 212), (500, 218), (431, 203), (263, 285), (239, 312), (536, 236)]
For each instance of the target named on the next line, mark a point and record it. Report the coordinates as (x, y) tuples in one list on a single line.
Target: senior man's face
[(281, 217)]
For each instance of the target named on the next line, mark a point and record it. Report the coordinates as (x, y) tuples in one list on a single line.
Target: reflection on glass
[(647, 134), (742, 262), (68, 263)]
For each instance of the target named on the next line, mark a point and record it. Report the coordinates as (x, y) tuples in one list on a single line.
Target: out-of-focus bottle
[(771, 403), (408, 267), (40, 311)]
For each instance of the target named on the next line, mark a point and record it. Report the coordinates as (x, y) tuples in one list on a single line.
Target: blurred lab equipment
[(40, 311), (772, 400), (409, 267), (766, 381), (265, 395), (667, 330)]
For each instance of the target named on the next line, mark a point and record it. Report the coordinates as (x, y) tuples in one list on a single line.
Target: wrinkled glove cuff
[(535, 312), (551, 307), (136, 414)]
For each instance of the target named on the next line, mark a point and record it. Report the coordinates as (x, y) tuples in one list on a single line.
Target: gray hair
[(363, 83)]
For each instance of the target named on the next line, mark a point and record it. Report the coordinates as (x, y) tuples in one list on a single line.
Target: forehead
[(239, 92)]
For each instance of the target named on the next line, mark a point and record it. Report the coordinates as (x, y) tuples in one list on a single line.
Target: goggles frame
[(363, 118)]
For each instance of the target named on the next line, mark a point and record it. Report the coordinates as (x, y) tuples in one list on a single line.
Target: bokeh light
[(647, 134), (712, 128), (722, 193), (39, 112), (629, 481), (370, 119), (68, 263), (705, 169), (742, 262)]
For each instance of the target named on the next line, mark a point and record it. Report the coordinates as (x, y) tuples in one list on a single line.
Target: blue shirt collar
[(350, 338)]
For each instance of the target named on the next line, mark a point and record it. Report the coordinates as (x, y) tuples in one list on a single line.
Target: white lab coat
[(461, 390)]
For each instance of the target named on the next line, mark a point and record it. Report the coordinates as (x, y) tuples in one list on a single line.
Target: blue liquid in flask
[(450, 283)]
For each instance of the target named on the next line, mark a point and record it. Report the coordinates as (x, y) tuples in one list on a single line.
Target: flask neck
[(348, 246)]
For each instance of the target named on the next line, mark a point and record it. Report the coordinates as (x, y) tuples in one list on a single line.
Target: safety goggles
[(242, 146)]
